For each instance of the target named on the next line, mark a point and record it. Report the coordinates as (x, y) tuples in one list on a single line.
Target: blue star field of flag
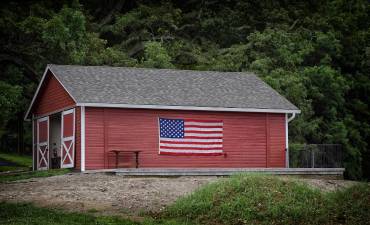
[(171, 128)]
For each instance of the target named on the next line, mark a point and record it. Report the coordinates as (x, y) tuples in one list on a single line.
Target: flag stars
[(171, 128)]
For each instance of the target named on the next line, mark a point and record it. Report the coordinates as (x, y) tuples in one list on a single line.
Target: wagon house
[(96, 117)]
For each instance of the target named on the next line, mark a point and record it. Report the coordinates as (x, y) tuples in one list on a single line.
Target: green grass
[(19, 214), (21, 160), (32, 174), (25, 213), (241, 199), (24, 162), (12, 168), (257, 199)]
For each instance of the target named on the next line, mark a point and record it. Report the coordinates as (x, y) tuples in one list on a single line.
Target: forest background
[(315, 53)]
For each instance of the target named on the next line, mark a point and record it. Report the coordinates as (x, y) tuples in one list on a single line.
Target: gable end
[(50, 96)]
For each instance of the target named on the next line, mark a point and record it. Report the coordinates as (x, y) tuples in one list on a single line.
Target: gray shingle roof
[(140, 86)]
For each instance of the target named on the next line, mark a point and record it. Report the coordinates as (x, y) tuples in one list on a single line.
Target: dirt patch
[(102, 193), (323, 183), (329, 185), (118, 195)]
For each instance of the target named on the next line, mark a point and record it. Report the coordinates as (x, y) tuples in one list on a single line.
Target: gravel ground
[(102, 193), (118, 195)]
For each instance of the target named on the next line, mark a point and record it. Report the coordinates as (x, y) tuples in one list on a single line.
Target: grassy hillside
[(242, 199), (255, 199)]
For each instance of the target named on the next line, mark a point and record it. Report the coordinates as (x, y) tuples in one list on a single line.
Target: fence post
[(318, 156), (312, 158)]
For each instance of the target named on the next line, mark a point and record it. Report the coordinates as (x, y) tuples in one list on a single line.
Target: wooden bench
[(118, 151)]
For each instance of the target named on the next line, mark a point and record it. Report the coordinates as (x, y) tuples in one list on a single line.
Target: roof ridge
[(192, 89), (249, 73)]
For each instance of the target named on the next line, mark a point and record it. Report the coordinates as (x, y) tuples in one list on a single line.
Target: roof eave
[(196, 108), (36, 93)]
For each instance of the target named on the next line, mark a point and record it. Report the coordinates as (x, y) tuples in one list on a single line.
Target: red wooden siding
[(51, 97), (94, 138), (248, 142), (78, 138)]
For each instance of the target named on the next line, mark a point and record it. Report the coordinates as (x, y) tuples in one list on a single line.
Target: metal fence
[(316, 156)]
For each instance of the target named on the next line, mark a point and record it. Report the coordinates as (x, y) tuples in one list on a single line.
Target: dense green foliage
[(242, 199), (256, 199), (316, 53)]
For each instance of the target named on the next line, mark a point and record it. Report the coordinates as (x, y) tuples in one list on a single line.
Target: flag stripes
[(190, 137)]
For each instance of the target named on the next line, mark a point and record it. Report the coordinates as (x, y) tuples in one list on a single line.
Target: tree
[(315, 53)]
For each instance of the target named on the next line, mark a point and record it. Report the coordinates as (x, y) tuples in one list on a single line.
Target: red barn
[(96, 117)]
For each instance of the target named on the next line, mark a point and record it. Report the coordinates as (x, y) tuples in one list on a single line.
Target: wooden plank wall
[(52, 97), (250, 139)]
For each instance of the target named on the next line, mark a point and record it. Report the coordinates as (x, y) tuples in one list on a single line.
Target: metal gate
[(316, 156)]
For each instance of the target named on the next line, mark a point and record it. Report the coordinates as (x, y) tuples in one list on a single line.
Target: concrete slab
[(218, 171)]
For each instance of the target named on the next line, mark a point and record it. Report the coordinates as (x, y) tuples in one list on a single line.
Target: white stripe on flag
[(201, 135), (192, 145), (201, 129), (206, 124)]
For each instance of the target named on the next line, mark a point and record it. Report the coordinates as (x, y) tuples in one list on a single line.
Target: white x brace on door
[(68, 139), (43, 143)]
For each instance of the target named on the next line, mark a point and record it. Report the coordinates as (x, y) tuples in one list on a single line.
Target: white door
[(68, 139), (43, 143)]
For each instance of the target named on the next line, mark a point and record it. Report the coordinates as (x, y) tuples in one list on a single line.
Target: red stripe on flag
[(198, 137), (203, 121), (200, 126), (203, 132)]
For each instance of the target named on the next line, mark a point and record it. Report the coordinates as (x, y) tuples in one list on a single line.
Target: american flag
[(190, 137)]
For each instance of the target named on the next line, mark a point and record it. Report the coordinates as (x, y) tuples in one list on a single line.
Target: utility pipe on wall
[(287, 120)]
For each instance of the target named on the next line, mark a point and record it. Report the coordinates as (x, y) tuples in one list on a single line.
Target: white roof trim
[(197, 108), (39, 87)]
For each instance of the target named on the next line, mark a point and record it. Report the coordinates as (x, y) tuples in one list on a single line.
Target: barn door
[(68, 139), (43, 143)]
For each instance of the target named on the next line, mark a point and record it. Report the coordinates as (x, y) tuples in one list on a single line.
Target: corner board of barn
[(138, 121)]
